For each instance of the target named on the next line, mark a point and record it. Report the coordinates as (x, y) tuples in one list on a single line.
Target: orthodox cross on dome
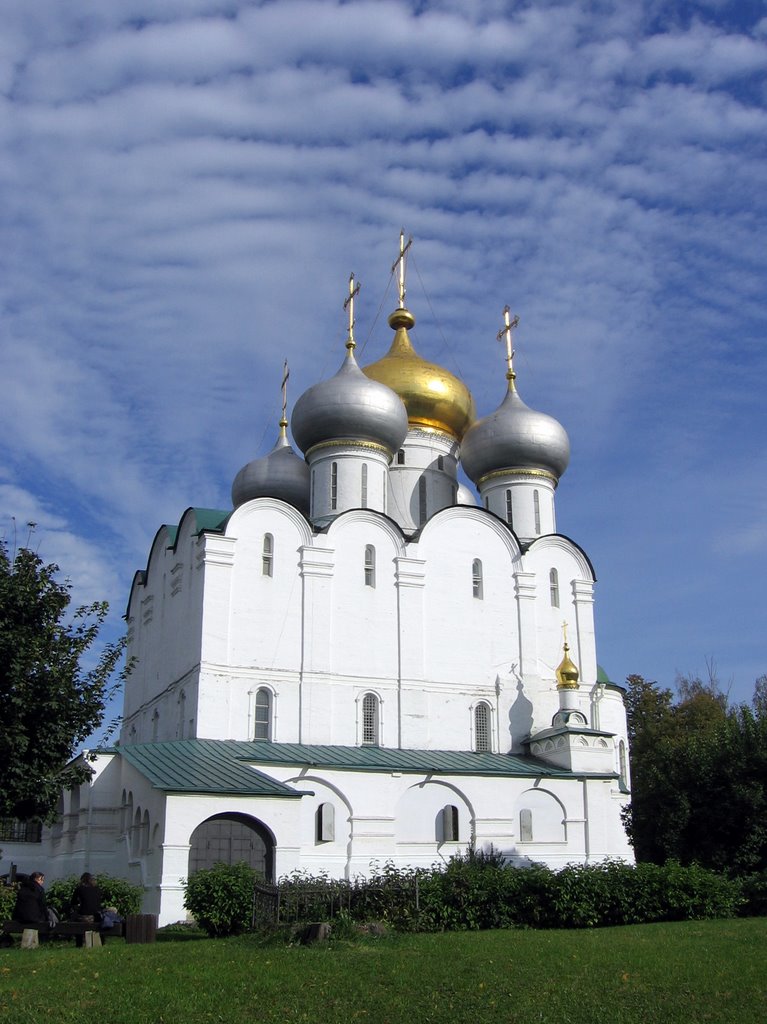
[(510, 324), (285, 375), (354, 290), (400, 262), (564, 634)]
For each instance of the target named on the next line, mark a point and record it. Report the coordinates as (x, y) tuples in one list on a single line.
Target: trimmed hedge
[(471, 894)]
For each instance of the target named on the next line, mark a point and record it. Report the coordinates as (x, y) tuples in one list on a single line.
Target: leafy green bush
[(221, 898), (115, 892), (7, 901), (754, 891)]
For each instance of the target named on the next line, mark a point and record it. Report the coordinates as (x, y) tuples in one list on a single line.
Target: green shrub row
[(609, 893), (479, 891)]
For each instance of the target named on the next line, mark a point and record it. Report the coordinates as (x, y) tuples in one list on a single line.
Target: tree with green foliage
[(49, 702), (699, 776)]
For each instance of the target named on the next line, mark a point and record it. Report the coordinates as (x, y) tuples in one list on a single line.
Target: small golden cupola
[(434, 398), (567, 671)]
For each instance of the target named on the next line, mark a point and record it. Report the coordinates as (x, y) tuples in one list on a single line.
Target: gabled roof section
[(211, 520), (391, 759), (201, 766)]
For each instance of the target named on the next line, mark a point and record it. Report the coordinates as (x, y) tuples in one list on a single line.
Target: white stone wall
[(318, 635)]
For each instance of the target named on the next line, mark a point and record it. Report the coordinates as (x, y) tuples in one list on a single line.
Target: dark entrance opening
[(232, 838)]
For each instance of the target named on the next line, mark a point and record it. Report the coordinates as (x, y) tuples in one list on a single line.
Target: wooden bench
[(63, 930)]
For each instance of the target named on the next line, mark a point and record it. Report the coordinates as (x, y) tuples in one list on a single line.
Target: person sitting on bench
[(86, 903), (31, 909)]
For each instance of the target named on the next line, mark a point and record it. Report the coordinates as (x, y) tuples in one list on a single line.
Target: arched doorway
[(232, 838)]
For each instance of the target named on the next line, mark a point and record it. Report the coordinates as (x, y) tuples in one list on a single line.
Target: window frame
[(264, 723), (477, 580), (267, 556), (370, 723), (483, 731), (370, 566), (554, 587)]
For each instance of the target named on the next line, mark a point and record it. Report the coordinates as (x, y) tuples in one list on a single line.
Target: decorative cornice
[(539, 474), (370, 446)]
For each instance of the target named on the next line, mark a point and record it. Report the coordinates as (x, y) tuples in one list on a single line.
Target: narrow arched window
[(554, 588), (267, 556), (440, 462), (449, 824), (537, 511), (509, 511), (482, 727), (263, 723), (325, 820), (401, 457), (334, 485), (422, 500), (364, 485), (623, 766), (135, 841), (487, 502), (476, 579), (370, 565), (526, 825), (370, 719), (314, 475)]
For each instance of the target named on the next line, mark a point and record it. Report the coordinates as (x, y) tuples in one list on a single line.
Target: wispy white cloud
[(186, 189)]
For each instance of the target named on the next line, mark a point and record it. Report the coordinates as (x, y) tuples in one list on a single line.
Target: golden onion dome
[(433, 397), (567, 672)]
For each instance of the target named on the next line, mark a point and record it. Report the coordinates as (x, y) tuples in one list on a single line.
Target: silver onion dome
[(349, 407), (515, 437), (280, 474)]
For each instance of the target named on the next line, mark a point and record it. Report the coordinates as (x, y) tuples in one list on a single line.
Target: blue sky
[(184, 195)]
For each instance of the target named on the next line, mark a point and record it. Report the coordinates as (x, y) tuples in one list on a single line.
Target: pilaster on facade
[(583, 602), (316, 567), (410, 580), (525, 591), (218, 552)]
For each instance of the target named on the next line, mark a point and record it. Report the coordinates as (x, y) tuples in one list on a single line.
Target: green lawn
[(687, 972)]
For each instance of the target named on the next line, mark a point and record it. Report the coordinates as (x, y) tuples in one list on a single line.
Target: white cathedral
[(361, 662)]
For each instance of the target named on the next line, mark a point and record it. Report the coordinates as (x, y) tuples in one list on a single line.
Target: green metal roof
[(392, 759), (201, 766), (226, 766), (204, 519)]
